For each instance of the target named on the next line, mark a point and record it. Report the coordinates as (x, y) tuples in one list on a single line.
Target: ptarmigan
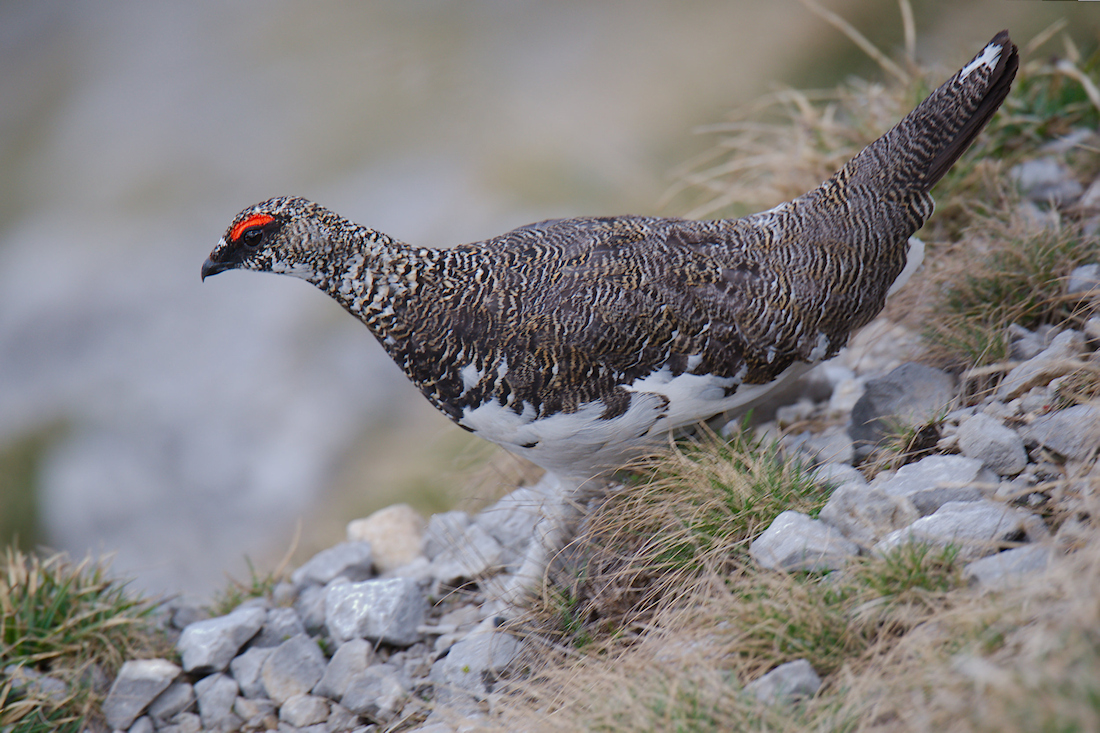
[(580, 343)]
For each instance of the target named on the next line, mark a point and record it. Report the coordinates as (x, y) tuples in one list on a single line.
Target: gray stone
[(340, 719), (1054, 361), (511, 521), (476, 553), (281, 624), (216, 695), (910, 396), (999, 448), (475, 663), (139, 682), (258, 714), (1008, 568), (179, 696), (209, 646), (246, 670), (931, 482), (1073, 433), (311, 606), (1028, 344), (388, 611), (839, 474), (833, 444), (864, 514), (293, 668), (786, 683), (376, 692), (184, 723), (144, 724), (32, 682), (796, 542), (302, 710), (352, 658), (187, 612), (976, 528), (1083, 280), (395, 533), (444, 531), (1046, 179), (351, 560)]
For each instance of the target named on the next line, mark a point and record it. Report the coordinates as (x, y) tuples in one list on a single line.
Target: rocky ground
[(397, 624)]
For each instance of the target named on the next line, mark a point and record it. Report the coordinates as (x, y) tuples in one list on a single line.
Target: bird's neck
[(366, 271)]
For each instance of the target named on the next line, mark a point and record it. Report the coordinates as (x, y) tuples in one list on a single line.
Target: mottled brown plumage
[(580, 342)]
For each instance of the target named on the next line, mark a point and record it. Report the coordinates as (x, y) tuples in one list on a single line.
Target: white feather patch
[(988, 58)]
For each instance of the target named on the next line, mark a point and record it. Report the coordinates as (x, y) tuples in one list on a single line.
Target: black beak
[(210, 267)]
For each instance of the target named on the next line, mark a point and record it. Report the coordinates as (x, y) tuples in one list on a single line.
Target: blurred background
[(183, 426)]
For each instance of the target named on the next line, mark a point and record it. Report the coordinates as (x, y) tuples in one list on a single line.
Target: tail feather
[(920, 149)]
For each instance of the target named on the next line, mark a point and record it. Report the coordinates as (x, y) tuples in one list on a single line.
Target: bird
[(580, 343)]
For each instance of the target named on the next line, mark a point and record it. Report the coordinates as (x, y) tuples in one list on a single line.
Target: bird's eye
[(252, 237)]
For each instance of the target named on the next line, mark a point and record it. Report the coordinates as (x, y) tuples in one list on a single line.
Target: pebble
[(395, 535), (444, 532), (1046, 180), (475, 554), (1057, 359), (935, 480), (293, 668), (303, 710), (376, 692), (1073, 432), (999, 448), (216, 694), (350, 560), (1006, 569), (786, 683), (976, 528), (794, 541), (139, 682), (179, 696), (909, 396), (865, 514), (387, 611), (1083, 280), (280, 625), (208, 646), (352, 658), (475, 663)]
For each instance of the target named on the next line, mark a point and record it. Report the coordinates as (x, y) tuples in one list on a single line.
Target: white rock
[(786, 683), (796, 542), (293, 668), (179, 696), (376, 692), (1057, 359), (444, 531), (475, 554), (303, 710), (352, 658), (388, 611), (216, 695), (1006, 569), (351, 560), (139, 682), (864, 514), (999, 448), (1084, 279), (935, 480), (977, 528), (1073, 432), (395, 534), (246, 670), (474, 663), (209, 646)]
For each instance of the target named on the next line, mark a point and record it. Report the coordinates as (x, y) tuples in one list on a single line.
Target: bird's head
[(286, 235)]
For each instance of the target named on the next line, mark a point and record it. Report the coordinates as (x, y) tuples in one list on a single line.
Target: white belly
[(581, 444)]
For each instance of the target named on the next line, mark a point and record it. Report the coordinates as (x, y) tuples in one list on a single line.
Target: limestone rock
[(1073, 433), (139, 682), (395, 535), (935, 480), (1008, 568), (977, 528), (216, 695), (999, 448), (786, 683), (909, 396), (352, 658), (351, 560), (796, 542), (208, 646), (303, 710), (293, 668), (388, 611)]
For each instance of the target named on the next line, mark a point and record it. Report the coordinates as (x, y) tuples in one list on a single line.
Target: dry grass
[(70, 621)]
